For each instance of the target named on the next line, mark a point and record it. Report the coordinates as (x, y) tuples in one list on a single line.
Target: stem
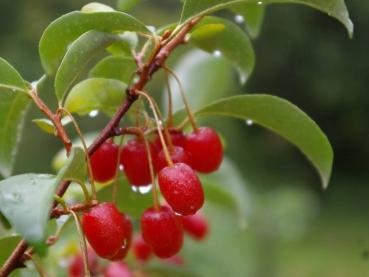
[(152, 106), (89, 168), (184, 98), (153, 65), (82, 243)]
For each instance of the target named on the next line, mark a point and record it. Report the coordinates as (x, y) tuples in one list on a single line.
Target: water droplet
[(249, 122), (217, 53), (93, 113), (151, 28), (187, 37), (239, 19), (134, 188), (136, 79), (144, 189), (121, 167), (260, 2)]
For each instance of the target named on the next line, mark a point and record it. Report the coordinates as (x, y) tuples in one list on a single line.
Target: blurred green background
[(293, 227)]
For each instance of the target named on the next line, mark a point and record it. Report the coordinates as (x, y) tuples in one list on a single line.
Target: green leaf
[(96, 94), (47, 126), (200, 84), (96, 7), (78, 56), (8, 244), (231, 42), (252, 14), (334, 8), (227, 187), (5, 223), (124, 5), (114, 67), (127, 43), (25, 200), (13, 106), (64, 30), (131, 202), (283, 118)]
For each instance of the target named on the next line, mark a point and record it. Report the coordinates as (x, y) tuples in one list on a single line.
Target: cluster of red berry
[(109, 231)]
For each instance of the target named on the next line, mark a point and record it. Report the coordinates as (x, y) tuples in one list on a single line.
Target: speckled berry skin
[(104, 162), (76, 267), (105, 229), (122, 252), (177, 154), (117, 269), (136, 163), (162, 230), (181, 188), (177, 137), (205, 150), (141, 249), (196, 226)]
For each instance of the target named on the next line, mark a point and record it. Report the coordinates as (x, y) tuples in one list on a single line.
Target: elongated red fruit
[(177, 137), (104, 162), (163, 231), (122, 252), (141, 249), (205, 150), (117, 269), (76, 267), (105, 229), (181, 188), (136, 163), (196, 226), (177, 154)]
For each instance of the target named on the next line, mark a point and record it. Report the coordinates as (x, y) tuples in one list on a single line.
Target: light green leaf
[(96, 94), (96, 7), (231, 42), (47, 126), (64, 30), (227, 187), (78, 56), (283, 118), (13, 106), (114, 67), (25, 200), (124, 5), (200, 84), (251, 14), (131, 202), (8, 244), (128, 41), (334, 8)]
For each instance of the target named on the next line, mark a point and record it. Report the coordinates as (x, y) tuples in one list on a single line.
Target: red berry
[(76, 268), (162, 230), (136, 163), (196, 226), (104, 162), (141, 249), (177, 154), (205, 150), (122, 252), (175, 260), (181, 188), (117, 269), (178, 139), (105, 229)]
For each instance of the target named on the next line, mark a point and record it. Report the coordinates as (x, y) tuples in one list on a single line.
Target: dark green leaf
[(114, 67), (231, 42), (283, 118), (131, 202), (96, 94), (75, 168), (79, 54), (335, 8), (63, 31), (8, 244), (128, 41), (251, 14), (13, 106), (200, 84)]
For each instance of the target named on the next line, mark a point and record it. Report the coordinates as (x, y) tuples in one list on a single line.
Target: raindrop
[(260, 3), (249, 122), (144, 189), (134, 188), (93, 113), (217, 53), (239, 19), (121, 167)]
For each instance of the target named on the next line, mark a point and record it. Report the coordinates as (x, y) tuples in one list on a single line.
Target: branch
[(154, 64)]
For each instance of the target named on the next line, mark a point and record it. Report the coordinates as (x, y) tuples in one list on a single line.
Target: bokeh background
[(293, 228)]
